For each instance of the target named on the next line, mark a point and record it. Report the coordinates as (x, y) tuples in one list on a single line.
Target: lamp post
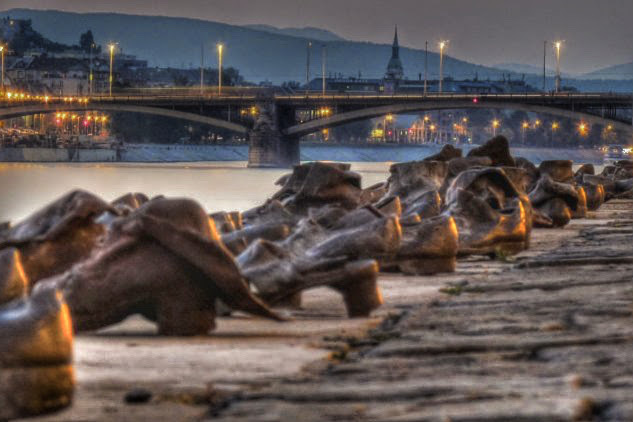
[(201, 68), (90, 78), (426, 60), (554, 127), (524, 128), (323, 58), (2, 77), (308, 51), (442, 46), (111, 46), (220, 50), (557, 46)]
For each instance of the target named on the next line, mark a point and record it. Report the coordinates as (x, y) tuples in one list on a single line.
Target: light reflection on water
[(25, 187)]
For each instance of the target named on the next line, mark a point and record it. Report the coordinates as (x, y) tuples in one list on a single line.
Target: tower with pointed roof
[(394, 68)]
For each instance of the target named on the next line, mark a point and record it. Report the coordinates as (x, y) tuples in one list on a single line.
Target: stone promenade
[(545, 337)]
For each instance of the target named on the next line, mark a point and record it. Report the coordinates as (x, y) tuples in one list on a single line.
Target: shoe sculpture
[(497, 149), (164, 261), (556, 200), (447, 153), (59, 235), (491, 215), (129, 202), (561, 171), (416, 184), (36, 373), (317, 184), (312, 256)]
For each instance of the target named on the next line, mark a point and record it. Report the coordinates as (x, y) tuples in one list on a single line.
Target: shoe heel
[(361, 293), (428, 266), (35, 390)]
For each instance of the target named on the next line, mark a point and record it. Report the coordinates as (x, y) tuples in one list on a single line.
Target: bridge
[(272, 119)]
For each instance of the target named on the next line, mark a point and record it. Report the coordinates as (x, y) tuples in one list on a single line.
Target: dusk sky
[(596, 33)]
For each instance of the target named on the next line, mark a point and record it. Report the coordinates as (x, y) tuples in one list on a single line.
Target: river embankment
[(159, 153)]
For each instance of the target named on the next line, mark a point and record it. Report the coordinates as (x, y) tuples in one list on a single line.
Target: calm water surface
[(25, 187)]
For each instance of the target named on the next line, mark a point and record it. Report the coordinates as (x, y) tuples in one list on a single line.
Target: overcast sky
[(597, 33)]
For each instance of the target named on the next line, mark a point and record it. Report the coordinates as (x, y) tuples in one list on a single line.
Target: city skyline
[(517, 31)]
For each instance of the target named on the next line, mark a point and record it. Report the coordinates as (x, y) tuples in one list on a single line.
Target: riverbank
[(160, 153), (545, 336)]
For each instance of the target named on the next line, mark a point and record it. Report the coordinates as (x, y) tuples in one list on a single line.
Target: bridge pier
[(268, 147)]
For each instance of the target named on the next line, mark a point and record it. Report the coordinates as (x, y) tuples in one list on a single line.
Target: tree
[(86, 40)]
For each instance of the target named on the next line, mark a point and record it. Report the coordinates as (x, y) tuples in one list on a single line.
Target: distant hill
[(258, 54), (263, 52), (620, 71), (525, 68), (307, 32)]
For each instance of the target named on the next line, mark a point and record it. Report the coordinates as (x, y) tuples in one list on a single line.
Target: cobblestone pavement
[(545, 337)]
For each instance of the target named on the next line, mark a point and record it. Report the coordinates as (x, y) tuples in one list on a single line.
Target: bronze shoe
[(491, 215), (497, 149), (429, 247), (279, 277), (59, 235), (556, 200), (164, 261), (416, 183), (36, 373)]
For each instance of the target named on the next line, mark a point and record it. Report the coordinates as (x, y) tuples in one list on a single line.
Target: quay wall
[(352, 153), (52, 155), (153, 153)]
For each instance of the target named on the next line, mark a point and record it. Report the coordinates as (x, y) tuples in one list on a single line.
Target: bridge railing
[(250, 94), (335, 95)]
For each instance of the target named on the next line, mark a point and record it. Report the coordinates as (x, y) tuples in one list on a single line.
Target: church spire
[(395, 48), (394, 67)]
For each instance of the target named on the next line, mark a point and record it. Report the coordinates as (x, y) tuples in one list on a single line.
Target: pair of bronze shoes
[(493, 217), (557, 196)]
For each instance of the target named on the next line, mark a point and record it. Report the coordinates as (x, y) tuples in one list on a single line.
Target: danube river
[(218, 186)]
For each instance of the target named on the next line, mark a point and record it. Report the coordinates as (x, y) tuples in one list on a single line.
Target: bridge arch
[(371, 112), (24, 110)]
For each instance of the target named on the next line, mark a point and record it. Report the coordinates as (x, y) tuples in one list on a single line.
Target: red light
[(85, 122), (475, 100), (58, 121)]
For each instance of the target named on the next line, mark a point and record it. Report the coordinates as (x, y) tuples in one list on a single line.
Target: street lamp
[(2, 80), (220, 50), (111, 47), (442, 46), (524, 127), (495, 125), (557, 46)]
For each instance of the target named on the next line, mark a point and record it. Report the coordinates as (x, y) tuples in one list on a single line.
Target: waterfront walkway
[(547, 336)]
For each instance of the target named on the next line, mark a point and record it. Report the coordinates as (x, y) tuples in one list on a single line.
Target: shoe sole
[(31, 391)]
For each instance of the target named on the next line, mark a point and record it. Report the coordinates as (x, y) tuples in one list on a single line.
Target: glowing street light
[(583, 128), (443, 45), (524, 127), (557, 46), (495, 125), (220, 50), (111, 47)]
